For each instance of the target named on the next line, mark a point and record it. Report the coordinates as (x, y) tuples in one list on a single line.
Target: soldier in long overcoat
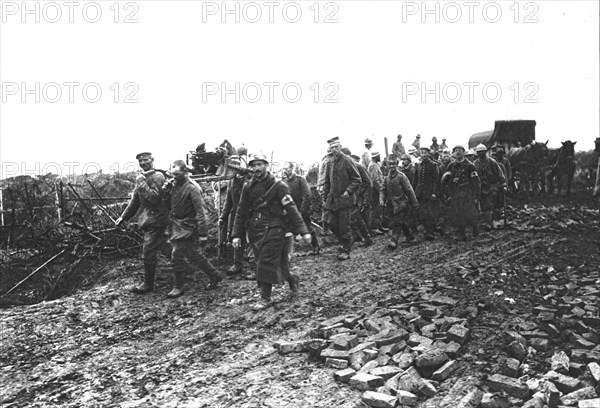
[(427, 190), (342, 180), (266, 212), (300, 192), (463, 185)]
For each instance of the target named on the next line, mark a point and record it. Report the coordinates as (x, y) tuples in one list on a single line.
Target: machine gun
[(215, 166)]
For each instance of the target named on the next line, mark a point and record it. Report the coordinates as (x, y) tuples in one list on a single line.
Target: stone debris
[(364, 381), (401, 353), (511, 386), (379, 400)]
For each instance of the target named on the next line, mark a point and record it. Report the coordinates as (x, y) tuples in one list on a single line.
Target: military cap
[(242, 151), (499, 150), (258, 157), (374, 154), (458, 147), (355, 157), (143, 154), (181, 164), (405, 157), (481, 148), (346, 151), (368, 141), (334, 140), (434, 138), (425, 148)]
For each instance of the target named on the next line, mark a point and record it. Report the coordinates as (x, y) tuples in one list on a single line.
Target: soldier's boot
[(475, 230), (394, 242), (294, 282), (346, 248), (410, 237), (149, 274), (429, 230), (265, 297), (316, 245), (237, 267), (214, 278), (178, 272)]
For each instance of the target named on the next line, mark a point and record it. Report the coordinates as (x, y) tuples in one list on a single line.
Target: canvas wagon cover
[(510, 132)]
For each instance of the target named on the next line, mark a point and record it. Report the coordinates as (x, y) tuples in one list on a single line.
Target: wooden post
[(385, 142), (57, 202), (1, 208)]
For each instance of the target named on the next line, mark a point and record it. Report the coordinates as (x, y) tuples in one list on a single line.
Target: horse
[(527, 165), (564, 166)]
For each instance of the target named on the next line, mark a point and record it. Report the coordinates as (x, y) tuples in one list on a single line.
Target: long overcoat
[(266, 211)]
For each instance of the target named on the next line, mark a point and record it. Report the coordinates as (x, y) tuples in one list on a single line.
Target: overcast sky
[(363, 68)]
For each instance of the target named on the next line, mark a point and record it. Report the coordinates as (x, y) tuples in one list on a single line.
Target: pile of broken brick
[(400, 355)]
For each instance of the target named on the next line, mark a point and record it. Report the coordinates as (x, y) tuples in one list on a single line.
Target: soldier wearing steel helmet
[(153, 216), (266, 212), (234, 191), (189, 227), (462, 183), (493, 183)]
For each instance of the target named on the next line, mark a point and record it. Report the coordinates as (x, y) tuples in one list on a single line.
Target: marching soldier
[(398, 147), (435, 147), (493, 183), (427, 186), (266, 212), (363, 202), (300, 192), (189, 229), (464, 188), (342, 180), (397, 197), (408, 168), (153, 216), (443, 146), (365, 157), (377, 179), (234, 192)]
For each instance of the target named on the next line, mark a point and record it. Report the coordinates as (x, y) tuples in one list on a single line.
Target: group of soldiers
[(431, 186), (361, 196)]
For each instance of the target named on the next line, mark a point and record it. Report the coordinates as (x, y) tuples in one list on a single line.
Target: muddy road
[(105, 347)]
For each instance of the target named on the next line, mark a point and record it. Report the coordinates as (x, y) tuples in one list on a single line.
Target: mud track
[(106, 347)]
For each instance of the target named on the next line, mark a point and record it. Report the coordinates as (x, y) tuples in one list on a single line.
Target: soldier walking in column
[(234, 192), (427, 186), (397, 198), (300, 192), (189, 229), (493, 183), (152, 219), (266, 212), (374, 217), (341, 182), (463, 184)]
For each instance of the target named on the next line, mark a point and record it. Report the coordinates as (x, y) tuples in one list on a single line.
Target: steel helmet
[(481, 148), (258, 157)]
